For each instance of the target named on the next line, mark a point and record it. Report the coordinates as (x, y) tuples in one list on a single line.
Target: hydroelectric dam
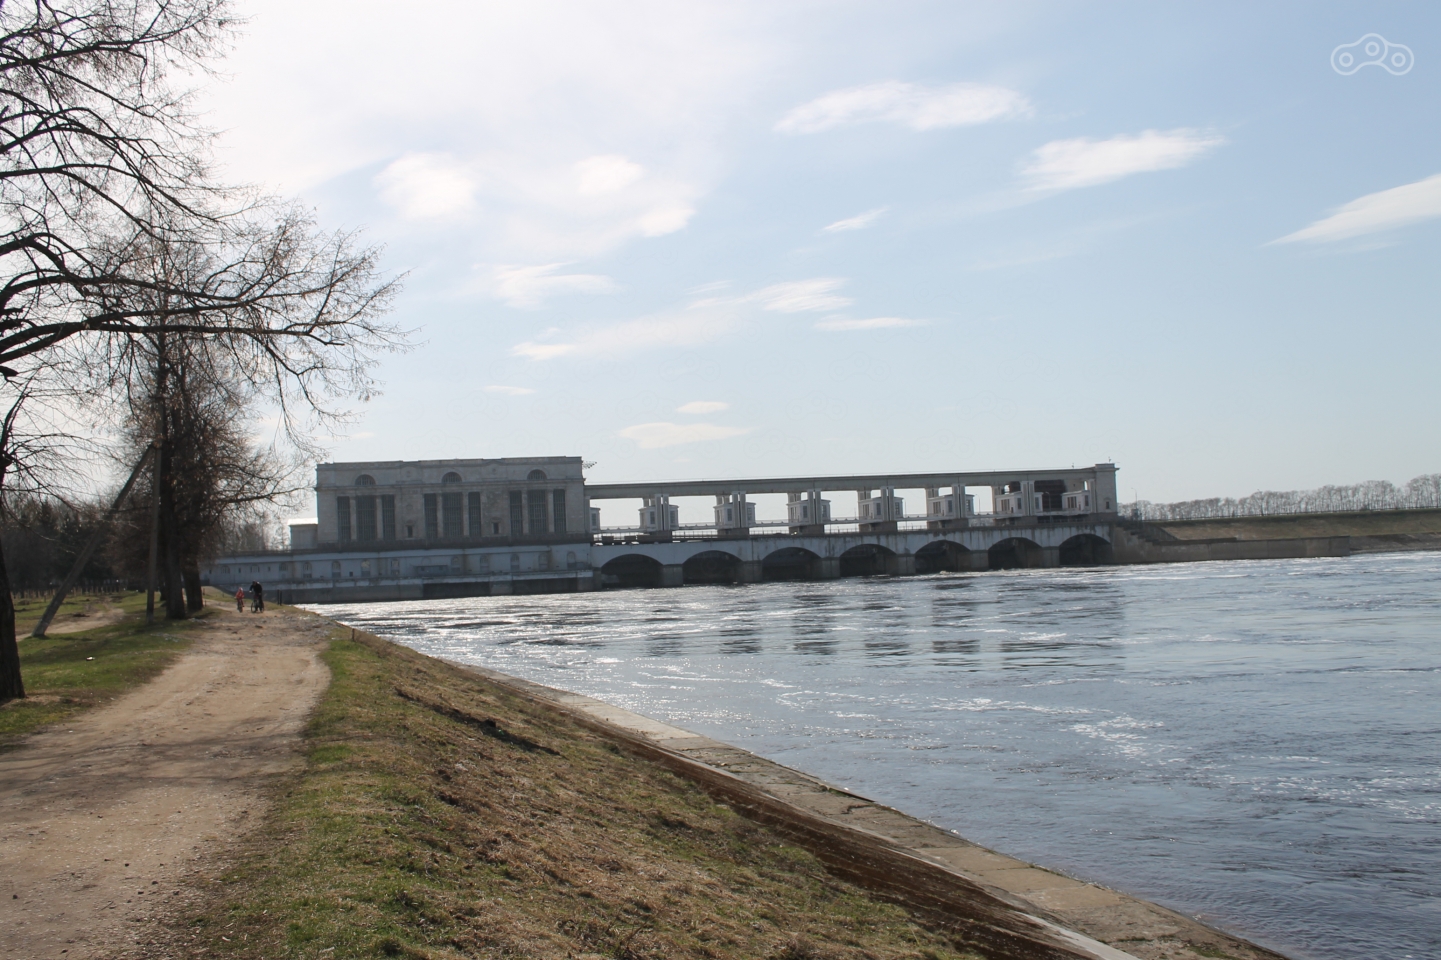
[(399, 530)]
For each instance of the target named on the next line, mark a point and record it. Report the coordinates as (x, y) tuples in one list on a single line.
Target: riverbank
[(1371, 531), (435, 811), (444, 812)]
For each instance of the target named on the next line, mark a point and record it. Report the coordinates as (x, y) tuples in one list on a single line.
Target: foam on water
[(1254, 743)]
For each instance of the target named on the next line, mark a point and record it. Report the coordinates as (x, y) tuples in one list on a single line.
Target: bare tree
[(1423, 492), (194, 408), (112, 228)]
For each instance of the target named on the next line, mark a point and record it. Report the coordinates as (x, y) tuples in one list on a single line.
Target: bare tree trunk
[(12, 686), (170, 537), (194, 599)]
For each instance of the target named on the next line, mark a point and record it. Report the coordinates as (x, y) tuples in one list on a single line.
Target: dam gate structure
[(395, 530)]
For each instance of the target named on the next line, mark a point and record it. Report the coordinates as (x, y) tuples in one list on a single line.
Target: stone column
[(748, 571), (826, 568), (901, 565), (672, 575), (1050, 556), (501, 588)]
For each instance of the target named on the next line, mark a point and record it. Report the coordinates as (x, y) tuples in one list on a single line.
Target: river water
[(1254, 743)]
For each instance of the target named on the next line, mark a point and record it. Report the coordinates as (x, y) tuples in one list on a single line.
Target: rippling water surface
[(1255, 743)]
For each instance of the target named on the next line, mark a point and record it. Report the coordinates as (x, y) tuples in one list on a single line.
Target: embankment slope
[(1370, 531), (447, 814)]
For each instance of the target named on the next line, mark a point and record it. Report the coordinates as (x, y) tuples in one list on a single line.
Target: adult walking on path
[(102, 817)]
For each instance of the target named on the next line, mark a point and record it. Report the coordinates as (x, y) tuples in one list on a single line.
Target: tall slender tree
[(105, 188)]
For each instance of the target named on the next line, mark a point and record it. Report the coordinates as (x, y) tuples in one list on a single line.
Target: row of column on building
[(452, 516)]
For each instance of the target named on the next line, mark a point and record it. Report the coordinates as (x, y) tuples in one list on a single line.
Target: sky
[(730, 239)]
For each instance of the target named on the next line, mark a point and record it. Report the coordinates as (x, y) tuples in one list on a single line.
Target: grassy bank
[(67, 673), (1370, 523), (441, 816)]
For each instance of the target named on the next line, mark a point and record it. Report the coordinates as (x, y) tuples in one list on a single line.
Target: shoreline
[(916, 863), (398, 751)]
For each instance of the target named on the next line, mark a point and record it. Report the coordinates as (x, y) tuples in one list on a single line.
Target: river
[(1252, 743)]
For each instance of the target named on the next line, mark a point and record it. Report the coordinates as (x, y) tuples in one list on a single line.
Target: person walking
[(257, 594), (239, 599)]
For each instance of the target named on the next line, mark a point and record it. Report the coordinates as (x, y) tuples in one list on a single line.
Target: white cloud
[(652, 436), (531, 286), (1375, 212), (697, 324), (702, 406), (802, 296), (546, 116), (427, 186), (703, 321), (543, 351), (908, 104), (509, 391), (664, 220), (1083, 162), (873, 323), (609, 173), (859, 222)]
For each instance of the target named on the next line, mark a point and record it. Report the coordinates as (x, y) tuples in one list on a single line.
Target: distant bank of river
[(1254, 743)]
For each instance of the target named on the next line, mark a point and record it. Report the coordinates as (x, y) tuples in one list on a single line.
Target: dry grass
[(440, 816), (71, 672)]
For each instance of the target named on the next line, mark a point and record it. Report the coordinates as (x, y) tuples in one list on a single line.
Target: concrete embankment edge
[(1011, 908)]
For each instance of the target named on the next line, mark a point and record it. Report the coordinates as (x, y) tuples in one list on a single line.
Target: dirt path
[(102, 819), (96, 614)]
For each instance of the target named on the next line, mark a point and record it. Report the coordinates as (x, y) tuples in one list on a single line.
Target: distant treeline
[(42, 537), (1422, 492)]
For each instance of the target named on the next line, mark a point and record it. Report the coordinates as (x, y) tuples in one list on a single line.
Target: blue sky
[(730, 239)]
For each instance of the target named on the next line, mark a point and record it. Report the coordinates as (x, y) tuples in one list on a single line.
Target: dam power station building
[(397, 530)]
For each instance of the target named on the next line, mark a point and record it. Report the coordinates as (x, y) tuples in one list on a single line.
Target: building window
[(472, 508), (365, 480), (387, 517), (517, 513), (335, 569), (536, 475), (305, 570), (365, 518), (395, 568), (495, 527), (451, 477), (365, 568), (432, 516), (535, 511), (410, 531), (342, 518), (557, 499), (451, 520)]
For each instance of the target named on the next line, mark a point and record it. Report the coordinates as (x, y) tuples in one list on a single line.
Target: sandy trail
[(96, 614), (102, 819)]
